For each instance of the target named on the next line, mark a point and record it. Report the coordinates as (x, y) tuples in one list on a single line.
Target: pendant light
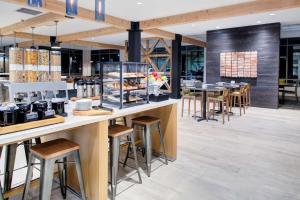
[(2, 52), (35, 3), (100, 10), (71, 7), (32, 36), (54, 43)]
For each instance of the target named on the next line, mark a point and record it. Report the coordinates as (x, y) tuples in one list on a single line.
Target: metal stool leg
[(47, 167), (127, 154), (79, 174), (28, 176), (114, 163), (62, 172), (27, 145), (1, 195), (135, 156), (162, 142), (9, 165), (148, 141)]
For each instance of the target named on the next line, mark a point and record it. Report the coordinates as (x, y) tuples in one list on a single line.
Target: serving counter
[(91, 133)]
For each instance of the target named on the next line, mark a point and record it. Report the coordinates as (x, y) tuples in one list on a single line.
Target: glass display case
[(124, 84)]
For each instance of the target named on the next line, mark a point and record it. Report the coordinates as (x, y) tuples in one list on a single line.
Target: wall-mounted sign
[(238, 64)]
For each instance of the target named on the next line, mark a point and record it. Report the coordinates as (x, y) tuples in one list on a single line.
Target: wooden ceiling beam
[(193, 41), (36, 37), (95, 44), (169, 35), (32, 22), (58, 7), (247, 8), (90, 33)]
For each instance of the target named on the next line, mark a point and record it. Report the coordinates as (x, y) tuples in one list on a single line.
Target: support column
[(87, 67), (134, 42), (176, 66)]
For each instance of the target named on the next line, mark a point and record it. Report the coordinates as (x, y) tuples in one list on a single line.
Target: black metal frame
[(121, 104)]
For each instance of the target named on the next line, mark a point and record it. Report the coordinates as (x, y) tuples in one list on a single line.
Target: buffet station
[(38, 106)]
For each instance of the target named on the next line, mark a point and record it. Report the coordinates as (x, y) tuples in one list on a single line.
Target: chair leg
[(47, 170), (135, 156), (213, 110), (207, 108), (162, 142), (223, 106), (189, 106), (62, 173), (114, 164), (28, 176), (234, 101), (195, 106), (9, 165), (244, 104), (148, 149), (79, 174), (182, 106), (240, 104), (201, 102), (227, 107)]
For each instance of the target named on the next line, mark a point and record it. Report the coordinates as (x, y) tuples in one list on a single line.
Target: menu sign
[(238, 64)]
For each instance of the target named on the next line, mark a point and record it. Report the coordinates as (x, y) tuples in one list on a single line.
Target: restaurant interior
[(152, 100)]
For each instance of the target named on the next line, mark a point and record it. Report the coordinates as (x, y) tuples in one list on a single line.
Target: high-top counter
[(91, 132)]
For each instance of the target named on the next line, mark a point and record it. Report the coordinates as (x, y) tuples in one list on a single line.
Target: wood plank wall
[(262, 38)]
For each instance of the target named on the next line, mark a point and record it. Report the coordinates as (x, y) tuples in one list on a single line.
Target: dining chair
[(222, 100), (189, 95), (240, 96)]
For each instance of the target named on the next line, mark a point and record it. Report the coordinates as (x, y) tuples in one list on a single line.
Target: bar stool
[(10, 158), (115, 133), (146, 122), (49, 153)]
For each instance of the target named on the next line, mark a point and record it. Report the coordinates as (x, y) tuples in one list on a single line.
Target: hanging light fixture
[(100, 10), (35, 3), (54, 43), (32, 36), (2, 52), (72, 7)]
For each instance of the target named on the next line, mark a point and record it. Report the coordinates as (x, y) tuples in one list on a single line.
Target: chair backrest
[(225, 93), (185, 91)]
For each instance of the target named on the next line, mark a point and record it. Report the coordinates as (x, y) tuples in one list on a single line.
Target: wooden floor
[(253, 157)]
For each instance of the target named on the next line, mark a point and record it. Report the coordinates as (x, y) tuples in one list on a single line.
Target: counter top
[(76, 121)]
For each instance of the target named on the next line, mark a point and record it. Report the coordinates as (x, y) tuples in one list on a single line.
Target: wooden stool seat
[(145, 120), (54, 148), (118, 130)]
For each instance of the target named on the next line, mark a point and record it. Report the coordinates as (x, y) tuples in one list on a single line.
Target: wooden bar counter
[(91, 132)]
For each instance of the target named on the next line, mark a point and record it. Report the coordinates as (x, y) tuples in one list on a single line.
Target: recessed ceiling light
[(218, 27), (272, 14), (139, 3), (258, 22)]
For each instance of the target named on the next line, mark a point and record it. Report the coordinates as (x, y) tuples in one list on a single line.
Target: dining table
[(218, 87)]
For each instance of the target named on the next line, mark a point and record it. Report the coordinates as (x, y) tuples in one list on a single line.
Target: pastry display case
[(124, 84)]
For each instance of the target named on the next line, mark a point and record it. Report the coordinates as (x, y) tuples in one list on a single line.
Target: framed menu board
[(238, 64)]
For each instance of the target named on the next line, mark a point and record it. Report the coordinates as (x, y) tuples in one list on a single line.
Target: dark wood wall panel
[(262, 38)]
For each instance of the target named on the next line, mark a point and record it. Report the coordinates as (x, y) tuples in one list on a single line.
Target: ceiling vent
[(28, 11)]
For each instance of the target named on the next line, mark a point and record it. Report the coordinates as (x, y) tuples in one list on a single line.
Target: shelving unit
[(124, 83)]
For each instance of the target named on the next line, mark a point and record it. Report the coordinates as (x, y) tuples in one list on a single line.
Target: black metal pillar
[(176, 66), (134, 42)]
